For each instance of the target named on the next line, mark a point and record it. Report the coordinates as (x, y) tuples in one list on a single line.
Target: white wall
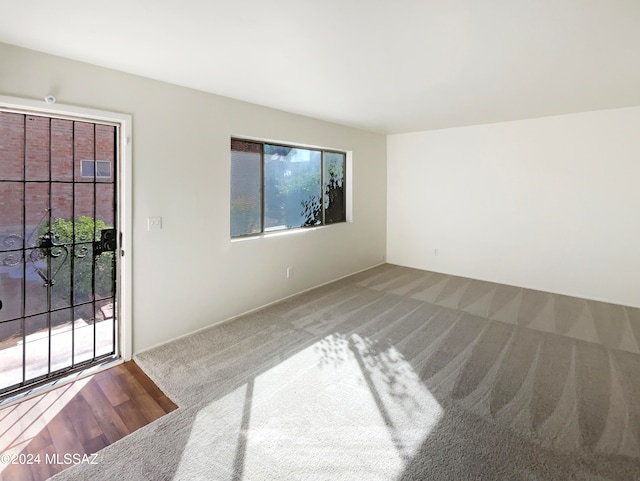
[(190, 275), (550, 203)]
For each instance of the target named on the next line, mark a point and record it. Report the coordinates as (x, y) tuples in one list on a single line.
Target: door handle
[(107, 242)]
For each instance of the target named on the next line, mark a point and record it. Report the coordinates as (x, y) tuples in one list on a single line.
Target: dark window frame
[(322, 199)]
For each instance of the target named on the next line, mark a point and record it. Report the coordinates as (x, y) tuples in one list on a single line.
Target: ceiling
[(380, 65)]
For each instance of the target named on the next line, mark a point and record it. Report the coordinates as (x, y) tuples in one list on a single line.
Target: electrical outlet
[(154, 223), (289, 272)]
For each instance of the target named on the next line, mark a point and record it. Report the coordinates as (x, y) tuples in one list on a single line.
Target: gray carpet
[(396, 374)]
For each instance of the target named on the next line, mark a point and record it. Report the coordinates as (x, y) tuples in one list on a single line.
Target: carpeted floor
[(396, 374)]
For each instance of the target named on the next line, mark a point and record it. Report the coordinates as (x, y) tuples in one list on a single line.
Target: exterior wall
[(27, 150)]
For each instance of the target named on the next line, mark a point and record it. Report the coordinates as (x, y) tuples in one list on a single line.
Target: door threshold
[(58, 382)]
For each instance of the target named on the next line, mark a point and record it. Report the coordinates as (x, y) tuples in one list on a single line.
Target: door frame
[(124, 195)]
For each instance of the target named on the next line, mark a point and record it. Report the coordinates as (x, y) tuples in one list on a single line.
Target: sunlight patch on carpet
[(338, 406)]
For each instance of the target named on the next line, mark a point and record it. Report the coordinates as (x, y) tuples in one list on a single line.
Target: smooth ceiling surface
[(379, 65)]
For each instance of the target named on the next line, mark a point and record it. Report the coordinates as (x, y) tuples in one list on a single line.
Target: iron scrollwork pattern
[(9, 243), (46, 247)]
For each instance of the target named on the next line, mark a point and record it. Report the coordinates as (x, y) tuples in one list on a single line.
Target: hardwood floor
[(45, 434)]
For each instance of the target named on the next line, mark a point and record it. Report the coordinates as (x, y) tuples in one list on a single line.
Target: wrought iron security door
[(58, 244)]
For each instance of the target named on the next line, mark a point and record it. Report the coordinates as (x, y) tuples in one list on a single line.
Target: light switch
[(154, 223)]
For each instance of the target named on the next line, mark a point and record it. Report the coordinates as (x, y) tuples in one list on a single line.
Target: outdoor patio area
[(71, 344)]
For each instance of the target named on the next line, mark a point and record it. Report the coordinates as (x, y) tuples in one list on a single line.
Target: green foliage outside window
[(81, 248)]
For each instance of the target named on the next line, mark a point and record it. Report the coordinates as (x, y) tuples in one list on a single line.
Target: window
[(100, 168), (276, 187)]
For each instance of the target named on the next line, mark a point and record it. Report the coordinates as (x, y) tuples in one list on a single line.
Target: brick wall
[(34, 148)]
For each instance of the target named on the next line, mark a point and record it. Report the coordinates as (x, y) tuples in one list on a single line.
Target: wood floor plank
[(149, 386), (106, 416), (131, 415), (18, 472), (110, 387), (41, 441), (83, 420), (63, 434), (110, 405), (43, 469), (96, 444), (140, 397)]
